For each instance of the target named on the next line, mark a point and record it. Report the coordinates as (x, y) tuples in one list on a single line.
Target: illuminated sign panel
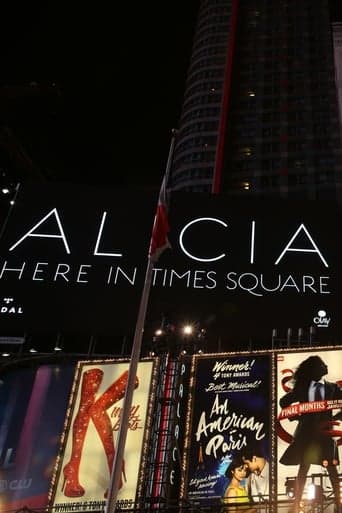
[(230, 418), (308, 427), (91, 434), (74, 259), (282, 407), (279, 412), (32, 414)]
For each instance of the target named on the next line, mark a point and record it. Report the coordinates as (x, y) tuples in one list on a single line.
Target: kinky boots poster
[(84, 468), (229, 415)]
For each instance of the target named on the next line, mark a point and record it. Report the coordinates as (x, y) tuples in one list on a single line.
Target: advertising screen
[(73, 259), (91, 434), (309, 434), (229, 425), (33, 407)]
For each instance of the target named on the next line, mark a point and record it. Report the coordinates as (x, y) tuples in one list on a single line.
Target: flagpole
[(133, 366)]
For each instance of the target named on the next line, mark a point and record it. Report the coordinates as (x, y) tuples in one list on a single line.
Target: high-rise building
[(260, 114), (337, 35)]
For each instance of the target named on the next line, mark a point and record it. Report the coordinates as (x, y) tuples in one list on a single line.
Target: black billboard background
[(231, 317), (239, 316), (93, 307)]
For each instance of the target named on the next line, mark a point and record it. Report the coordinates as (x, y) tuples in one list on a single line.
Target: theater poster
[(228, 415), (308, 427), (83, 474)]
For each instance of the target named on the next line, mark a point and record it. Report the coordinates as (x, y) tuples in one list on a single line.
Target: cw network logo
[(322, 320)]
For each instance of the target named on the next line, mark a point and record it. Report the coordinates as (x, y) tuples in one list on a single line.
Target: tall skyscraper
[(337, 35), (260, 114)]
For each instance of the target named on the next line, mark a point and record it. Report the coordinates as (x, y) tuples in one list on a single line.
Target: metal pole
[(289, 334), (132, 371)]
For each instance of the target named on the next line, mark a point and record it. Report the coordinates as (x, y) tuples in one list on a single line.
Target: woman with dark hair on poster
[(312, 443), (235, 497)]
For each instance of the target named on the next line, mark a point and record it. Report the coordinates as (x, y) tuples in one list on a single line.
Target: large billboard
[(277, 412), (267, 425), (308, 429), (84, 467), (229, 420), (33, 407), (73, 259)]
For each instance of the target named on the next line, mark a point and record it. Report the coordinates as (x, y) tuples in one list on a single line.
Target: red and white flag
[(159, 238)]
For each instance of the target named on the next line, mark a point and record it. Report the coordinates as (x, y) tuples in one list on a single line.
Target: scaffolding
[(163, 463)]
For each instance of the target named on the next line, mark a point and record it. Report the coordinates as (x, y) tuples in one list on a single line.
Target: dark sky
[(119, 73)]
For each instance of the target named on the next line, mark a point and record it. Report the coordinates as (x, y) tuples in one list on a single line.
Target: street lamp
[(188, 329), (178, 339)]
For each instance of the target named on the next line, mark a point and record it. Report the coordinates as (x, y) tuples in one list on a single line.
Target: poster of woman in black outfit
[(312, 442)]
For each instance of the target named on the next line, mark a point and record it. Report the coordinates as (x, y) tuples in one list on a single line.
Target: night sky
[(118, 76)]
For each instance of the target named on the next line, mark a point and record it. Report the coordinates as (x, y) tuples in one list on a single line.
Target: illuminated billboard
[(73, 259), (275, 414), (33, 407), (308, 429), (229, 420), (85, 465)]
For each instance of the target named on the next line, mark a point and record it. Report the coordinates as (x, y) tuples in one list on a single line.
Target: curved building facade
[(196, 148), (260, 114)]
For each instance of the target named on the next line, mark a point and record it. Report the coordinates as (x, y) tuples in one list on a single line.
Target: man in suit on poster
[(312, 443)]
